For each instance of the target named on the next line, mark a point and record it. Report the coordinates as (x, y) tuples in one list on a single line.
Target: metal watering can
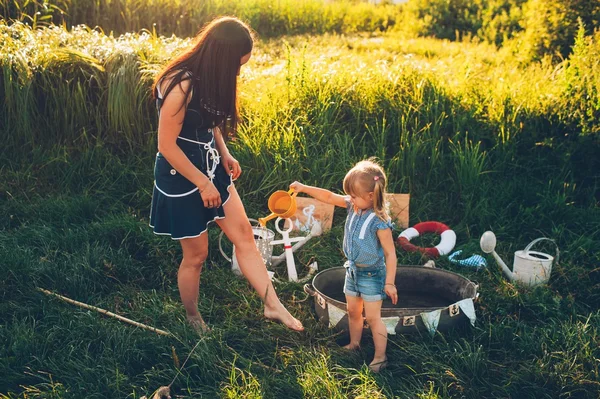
[(281, 204), (529, 267)]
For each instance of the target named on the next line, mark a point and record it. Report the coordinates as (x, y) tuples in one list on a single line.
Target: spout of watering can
[(509, 274), (488, 245), (263, 221)]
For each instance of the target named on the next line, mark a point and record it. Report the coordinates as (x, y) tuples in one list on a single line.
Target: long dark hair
[(212, 64)]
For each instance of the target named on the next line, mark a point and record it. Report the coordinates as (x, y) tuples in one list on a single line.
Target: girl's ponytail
[(379, 191)]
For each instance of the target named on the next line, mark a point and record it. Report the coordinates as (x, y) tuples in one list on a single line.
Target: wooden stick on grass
[(104, 312)]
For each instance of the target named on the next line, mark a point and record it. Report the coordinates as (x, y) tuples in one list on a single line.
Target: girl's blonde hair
[(365, 177)]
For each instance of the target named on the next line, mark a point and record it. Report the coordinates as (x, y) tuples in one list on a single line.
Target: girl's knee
[(354, 313), (373, 319)]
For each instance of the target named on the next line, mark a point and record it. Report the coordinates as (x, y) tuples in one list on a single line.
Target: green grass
[(185, 17), (480, 142)]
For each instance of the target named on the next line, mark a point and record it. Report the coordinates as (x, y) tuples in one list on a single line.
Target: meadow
[(184, 17), (480, 140)]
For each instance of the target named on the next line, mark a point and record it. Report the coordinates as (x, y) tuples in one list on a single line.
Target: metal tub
[(421, 291)]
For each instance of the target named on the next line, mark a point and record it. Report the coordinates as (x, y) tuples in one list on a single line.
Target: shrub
[(582, 83), (550, 26), (501, 20), (442, 18)]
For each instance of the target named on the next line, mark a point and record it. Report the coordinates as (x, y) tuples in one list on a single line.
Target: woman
[(196, 95)]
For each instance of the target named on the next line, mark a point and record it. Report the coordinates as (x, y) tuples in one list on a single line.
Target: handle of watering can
[(221, 247), (221, 238), (308, 288), (528, 247), (292, 192)]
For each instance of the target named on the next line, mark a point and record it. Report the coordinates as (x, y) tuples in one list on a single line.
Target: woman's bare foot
[(281, 314), (351, 347), (198, 324)]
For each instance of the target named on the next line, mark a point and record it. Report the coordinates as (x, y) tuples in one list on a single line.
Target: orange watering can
[(281, 204)]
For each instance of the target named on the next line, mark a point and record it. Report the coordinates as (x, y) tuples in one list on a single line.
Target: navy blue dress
[(177, 207)]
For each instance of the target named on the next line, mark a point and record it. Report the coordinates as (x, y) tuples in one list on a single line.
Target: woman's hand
[(231, 165), (210, 195), (297, 187), (390, 290)]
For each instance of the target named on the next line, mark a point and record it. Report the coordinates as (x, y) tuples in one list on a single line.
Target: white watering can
[(529, 267)]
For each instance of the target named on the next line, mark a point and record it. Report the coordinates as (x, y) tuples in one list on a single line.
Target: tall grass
[(186, 17), (478, 140)]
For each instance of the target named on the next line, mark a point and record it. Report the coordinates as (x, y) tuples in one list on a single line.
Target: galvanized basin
[(420, 290)]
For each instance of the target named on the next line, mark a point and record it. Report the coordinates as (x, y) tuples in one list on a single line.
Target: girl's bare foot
[(198, 324), (351, 347), (281, 314), (378, 364)]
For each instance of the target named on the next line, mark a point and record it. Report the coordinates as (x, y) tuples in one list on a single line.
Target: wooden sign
[(312, 211), (399, 209)]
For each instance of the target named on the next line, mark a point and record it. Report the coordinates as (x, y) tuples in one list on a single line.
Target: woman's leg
[(373, 316), (239, 231), (195, 251), (355, 321)]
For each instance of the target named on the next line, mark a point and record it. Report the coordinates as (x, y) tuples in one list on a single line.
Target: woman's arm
[(230, 164), (220, 141), (321, 194), (389, 250), (169, 128)]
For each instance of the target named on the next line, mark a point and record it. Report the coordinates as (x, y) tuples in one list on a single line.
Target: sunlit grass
[(186, 17), (480, 142)]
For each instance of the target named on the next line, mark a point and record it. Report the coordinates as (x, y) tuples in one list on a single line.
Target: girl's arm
[(389, 250), (320, 193)]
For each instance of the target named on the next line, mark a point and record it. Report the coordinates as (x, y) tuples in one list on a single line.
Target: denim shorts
[(365, 282)]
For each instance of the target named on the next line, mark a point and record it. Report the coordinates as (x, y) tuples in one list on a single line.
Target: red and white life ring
[(443, 248)]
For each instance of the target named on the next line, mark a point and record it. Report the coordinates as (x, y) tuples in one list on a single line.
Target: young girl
[(196, 95), (369, 248)]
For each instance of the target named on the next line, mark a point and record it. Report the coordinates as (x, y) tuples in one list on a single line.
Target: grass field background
[(479, 139)]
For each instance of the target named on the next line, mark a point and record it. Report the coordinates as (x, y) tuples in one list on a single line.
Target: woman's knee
[(195, 259), (195, 251), (244, 237)]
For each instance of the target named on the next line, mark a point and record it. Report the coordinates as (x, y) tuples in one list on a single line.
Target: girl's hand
[(210, 195), (297, 187), (231, 165), (391, 291)]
